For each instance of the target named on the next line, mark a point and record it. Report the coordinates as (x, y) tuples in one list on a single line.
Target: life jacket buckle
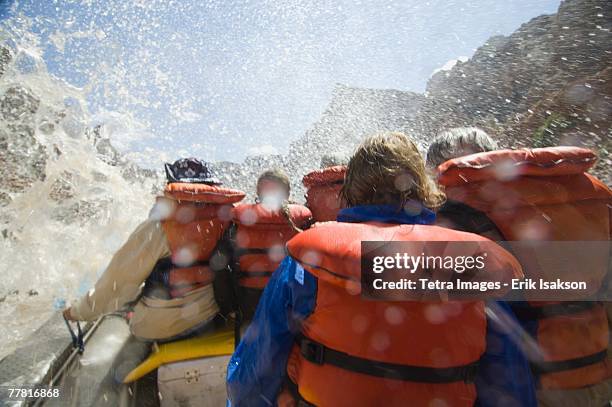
[(312, 351)]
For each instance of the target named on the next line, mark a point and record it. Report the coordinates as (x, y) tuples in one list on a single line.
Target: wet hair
[(389, 169), (280, 177), (458, 142)]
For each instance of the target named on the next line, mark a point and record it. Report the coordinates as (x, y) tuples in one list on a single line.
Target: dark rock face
[(508, 76), (63, 187), (22, 156), (23, 159), (108, 154), (81, 211), (18, 104), (578, 114), (134, 173), (25, 155), (5, 58)]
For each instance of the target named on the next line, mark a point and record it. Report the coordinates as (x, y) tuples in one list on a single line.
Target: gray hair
[(458, 142), (333, 159)]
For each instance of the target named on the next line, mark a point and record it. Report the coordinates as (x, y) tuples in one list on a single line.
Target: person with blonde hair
[(314, 341), (388, 169)]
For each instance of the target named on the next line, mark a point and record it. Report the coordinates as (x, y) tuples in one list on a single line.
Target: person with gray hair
[(458, 142), (334, 159)]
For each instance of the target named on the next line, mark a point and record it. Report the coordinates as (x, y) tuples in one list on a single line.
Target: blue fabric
[(257, 368), (504, 377), (413, 215)]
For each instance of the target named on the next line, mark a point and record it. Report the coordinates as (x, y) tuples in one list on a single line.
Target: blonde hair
[(387, 168)]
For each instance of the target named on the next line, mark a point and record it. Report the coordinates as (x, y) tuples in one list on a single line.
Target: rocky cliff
[(68, 199), (352, 114), (35, 137), (548, 83), (59, 180), (550, 76)]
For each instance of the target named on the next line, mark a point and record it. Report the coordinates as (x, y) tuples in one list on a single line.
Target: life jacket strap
[(164, 266), (160, 278), (468, 219), (320, 354), (531, 313), (243, 251), (251, 274), (570, 364)]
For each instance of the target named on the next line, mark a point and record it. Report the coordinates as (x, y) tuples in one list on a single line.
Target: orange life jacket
[(322, 192), (354, 351), (194, 219), (545, 194), (261, 235)]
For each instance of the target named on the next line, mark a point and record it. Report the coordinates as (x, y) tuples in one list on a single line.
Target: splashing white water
[(69, 199)]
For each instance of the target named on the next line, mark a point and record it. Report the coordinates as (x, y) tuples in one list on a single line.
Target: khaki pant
[(158, 319)]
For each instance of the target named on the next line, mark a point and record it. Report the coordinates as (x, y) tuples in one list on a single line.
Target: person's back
[(425, 351), (340, 349), (261, 232), (546, 195), (172, 253)]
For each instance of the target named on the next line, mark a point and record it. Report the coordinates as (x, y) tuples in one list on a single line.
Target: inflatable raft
[(115, 369)]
